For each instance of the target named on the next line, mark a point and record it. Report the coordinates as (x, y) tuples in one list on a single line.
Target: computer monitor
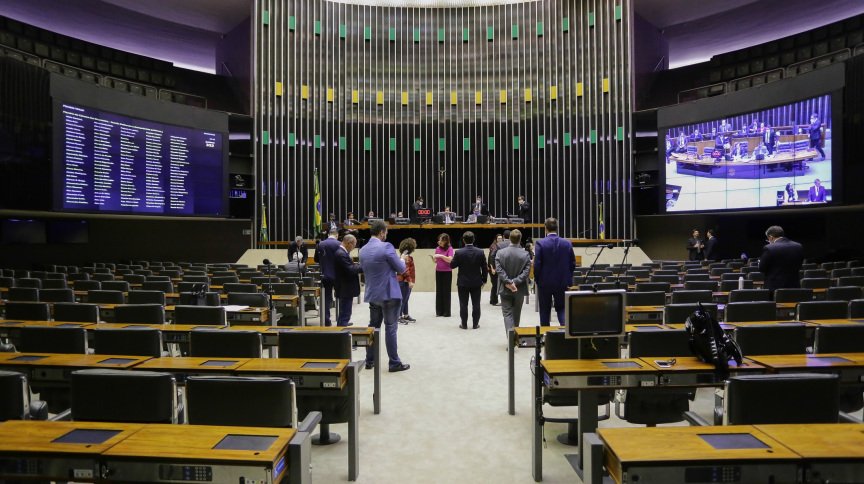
[(424, 212), (438, 219), (482, 219), (372, 219), (594, 314)]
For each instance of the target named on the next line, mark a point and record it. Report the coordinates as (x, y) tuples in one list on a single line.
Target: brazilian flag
[(264, 235), (602, 225), (317, 205)]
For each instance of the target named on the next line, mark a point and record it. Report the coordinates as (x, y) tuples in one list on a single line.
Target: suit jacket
[(695, 254), (817, 195), (525, 212), (380, 265), (448, 218), (302, 249), (330, 224), (483, 209), (770, 137), (780, 262), (326, 250), (347, 274), (498, 246), (471, 263), (348, 222), (711, 252), (513, 265), (414, 208), (554, 261)]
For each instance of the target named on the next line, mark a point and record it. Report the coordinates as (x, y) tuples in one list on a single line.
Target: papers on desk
[(235, 307)]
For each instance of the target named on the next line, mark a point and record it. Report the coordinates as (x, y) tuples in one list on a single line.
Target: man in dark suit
[(770, 137), (298, 248), (331, 223), (447, 216), (815, 131), (513, 265), (326, 251), (347, 281), (479, 207), (696, 247), (524, 209), (471, 263), (418, 205), (493, 298), (817, 192), (554, 263), (781, 260), (711, 252)]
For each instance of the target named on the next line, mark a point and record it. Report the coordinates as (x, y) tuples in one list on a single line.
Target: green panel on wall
[(266, 16), (416, 35), (515, 142), (617, 12), (539, 28), (317, 141), (590, 19), (392, 34), (490, 33), (567, 139), (292, 23), (265, 137), (515, 30), (541, 141), (491, 143), (292, 140), (464, 35), (442, 144), (565, 24), (342, 143), (367, 144), (620, 135), (416, 144), (392, 144), (367, 33), (343, 31), (466, 144), (317, 27), (440, 35), (593, 136)]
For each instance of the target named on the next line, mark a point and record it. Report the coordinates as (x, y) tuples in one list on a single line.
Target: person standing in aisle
[(443, 275), (406, 279), (472, 276)]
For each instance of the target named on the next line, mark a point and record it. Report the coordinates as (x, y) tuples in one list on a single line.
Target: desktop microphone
[(605, 246), (267, 262)]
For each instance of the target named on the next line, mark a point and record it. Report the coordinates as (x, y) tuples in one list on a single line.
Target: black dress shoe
[(399, 367), (369, 366), (463, 326), (476, 326)]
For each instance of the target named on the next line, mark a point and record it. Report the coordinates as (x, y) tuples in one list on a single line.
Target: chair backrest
[(788, 295), (23, 294), (811, 310), (220, 343), (665, 272), (816, 283), (782, 399), (7, 281), (809, 265), (146, 297), (660, 343), (681, 297), (187, 286), (743, 295), (771, 339), (140, 314), (14, 396), (224, 400), (661, 278), (256, 300), (30, 282), (315, 344), (654, 298), (678, 313), (839, 293), (698, 270), (280, 288), (839, 338), (222, 280), (54, 284), (701, 286), (164, 286), (858, 271), (856, 309), (623, 280), (653, 287), (196, 278), (122, 286), (737, 312), (134, 341), (157, 279), (105, 297), (203, 315), (223, 273), (696, 277), (727, 286), (37, 311), (842, 281), (815, 273), (749, 269), (102, 277), (134, 278), (53, 339), (191, 299), (123, 396), (56, 295), (732, 276), (244, 287), (76, 312), (838, 273), (716, 271)]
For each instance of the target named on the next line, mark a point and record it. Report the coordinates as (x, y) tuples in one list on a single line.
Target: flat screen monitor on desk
[(372, 219), (424, 212), (594, 314)]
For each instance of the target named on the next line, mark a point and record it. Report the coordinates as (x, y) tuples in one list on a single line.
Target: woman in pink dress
[(443, 275)]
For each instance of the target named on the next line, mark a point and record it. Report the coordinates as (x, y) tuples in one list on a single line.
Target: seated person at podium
[(696, 136), (349, 223), (331, 223), (418, 205), (681, 145), (447, 216), (817, 191), (370, 215), (760, 152), (298, 251)]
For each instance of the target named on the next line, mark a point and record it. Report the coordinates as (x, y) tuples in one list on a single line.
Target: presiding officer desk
[(128, 452)]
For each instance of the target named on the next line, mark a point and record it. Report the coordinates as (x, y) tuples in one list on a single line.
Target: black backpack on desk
[(710, 343)]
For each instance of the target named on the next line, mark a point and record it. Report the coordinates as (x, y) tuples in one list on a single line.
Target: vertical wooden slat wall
[(390, 103)]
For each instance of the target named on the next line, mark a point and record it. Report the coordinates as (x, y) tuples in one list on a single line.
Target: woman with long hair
[(406, 279), (443, 275)]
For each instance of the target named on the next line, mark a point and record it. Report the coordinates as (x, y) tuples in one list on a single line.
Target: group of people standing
[(700, 249)]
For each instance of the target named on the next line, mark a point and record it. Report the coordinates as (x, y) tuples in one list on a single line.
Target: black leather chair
[(135, 278), (664, 287), (815, 273), (146, 297), (194, 299), (665, 272), (122, 286), (814, 310), (164, 286), (187, 286), (256, 300), (76, 312), (790, 295), (856, 309), (54, 284), (749, 295), (771, 339), (851, 281), (656, 298), (200, 315), (843, 293), (36, 311), (29, 282), (280, 288), (695, 277), (678, 313), (816, 282), (157, 279), (53, 339), (220, 343), (57, 295), (681, 297), (23, 294), (727, 286), (124, 396), (718, 271), (7, 281), (842, 338), (105, 297), (128, 341), (739, 312), (320, 345), (732, 276), (139, 314), (701, 286), (202, 278), (241, 287), (662, 278), (222, 280), (102, 277), (15, 403), (652, 407), (699, 270)]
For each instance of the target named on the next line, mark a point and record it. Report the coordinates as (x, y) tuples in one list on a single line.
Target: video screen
[(778, 157), (107, 162)]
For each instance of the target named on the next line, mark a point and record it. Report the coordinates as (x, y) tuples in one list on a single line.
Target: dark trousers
[(388, 313), (328, 301), (464, 294), (817, 143), (406, 293), (345, 309), (493, 291), (443, 285), (545, 295)]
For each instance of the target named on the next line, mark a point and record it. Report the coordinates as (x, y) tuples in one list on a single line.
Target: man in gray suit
[(513, 265)]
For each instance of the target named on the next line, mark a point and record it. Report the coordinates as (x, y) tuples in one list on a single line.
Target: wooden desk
[(302, 371), (820, 322), (29, 449), (849, 366), (832, 452), (9, 327), (182, 367), (159, 452), (261, 315), (644, 313), (682, 454)]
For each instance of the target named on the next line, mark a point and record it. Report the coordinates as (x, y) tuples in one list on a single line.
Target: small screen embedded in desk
[(68, 325), (246, 442), (644, 328), (220, 363), (86, 436), (279, 330), (621, 364), (206, 327), (118, 361), (323, 365), (10, 323), (733, 441), (352, 330), (28, 358), (830, 359)]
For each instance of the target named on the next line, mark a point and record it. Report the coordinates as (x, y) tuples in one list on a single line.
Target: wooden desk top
[(691, 363), (187, 363), (835, 321), (750, 323), (246, 310), (820, 441), (643, 309), (523, 331), (290, 365), (593, 367), (196, 442), (185, 328), (629, 328), (99, 326), (76, 361), (808, 361), (18, 436), (13, 323)]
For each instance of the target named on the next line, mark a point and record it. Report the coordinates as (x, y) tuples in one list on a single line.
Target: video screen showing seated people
[(771, 158)]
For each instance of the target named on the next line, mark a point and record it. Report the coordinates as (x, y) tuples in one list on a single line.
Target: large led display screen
[(777, 157)]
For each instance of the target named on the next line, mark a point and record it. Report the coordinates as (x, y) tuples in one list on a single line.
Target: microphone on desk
[(605, 246), (267, 262)]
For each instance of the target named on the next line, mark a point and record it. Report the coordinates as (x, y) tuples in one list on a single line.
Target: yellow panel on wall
[(429, 98), (503, 97), (527, 95), (404, 98), (380, 97), (578, 89), (329, 95), (606, 85), (355, 97), (478, 97), (304, 92), (553, 92), (454, 98), (278, 88)]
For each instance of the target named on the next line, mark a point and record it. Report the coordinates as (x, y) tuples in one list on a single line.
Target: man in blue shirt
[(380, 265), (327, 259), (554, 263)]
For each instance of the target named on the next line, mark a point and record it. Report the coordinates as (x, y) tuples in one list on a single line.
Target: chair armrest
[(7, 348), (310, 422), (846, 418), (38, 410), (696, 420), (65, 415)]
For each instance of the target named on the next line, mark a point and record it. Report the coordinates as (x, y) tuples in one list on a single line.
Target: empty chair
[(791, 295), (771, 339), (678, 313), (21, 274), (856, 309), (858, 271), (280, 288), (842, 338), (623, 280), (735, 265), (755, 276), (30, 282), (577, 279), (157, 279), (7, 282), (738, 312), (171, 273), (220, 343), (653, 287), (133, 341), (239, 287), (839, 293), (139, 314), (146, 297), (661, 278), (102, 277), (200, 315), (720, 270), (838, 273), (749, 269), (681, 297), (781, 399), (695, 277), (727, 286), (224, 400), (815, 274), (698, 270), (187, 286), (53, 339), (124, 396), (122, 272), (56, 295), (809, 265), (134, 278), (164, 286), (843, 281), (666, 272), (222, 280), (815, 310), (143, 272), (122, 286), (76, 312), (54, 284), (223, 274), (639, 273), (15, 403), (105, 297), (23, 294), (655, 298), (199, 299), (35, 311), (743, 295), (816, 283), (732, 276), (701, 286)]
